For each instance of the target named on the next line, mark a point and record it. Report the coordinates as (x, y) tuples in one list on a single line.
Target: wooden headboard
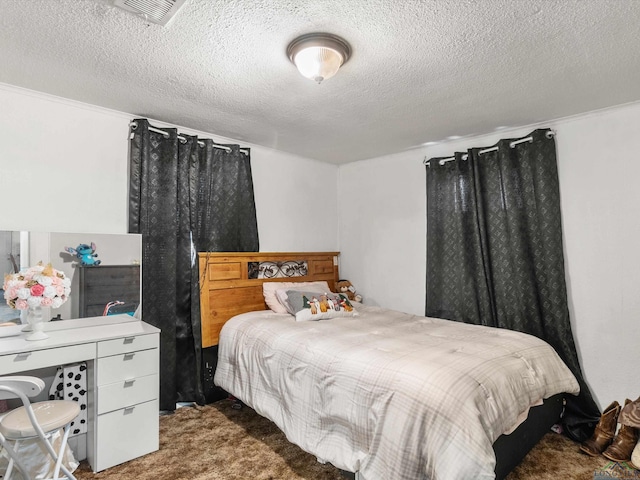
[(231, 282)]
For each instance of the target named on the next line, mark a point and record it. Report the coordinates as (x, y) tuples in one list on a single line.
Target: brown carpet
[(216, 442)]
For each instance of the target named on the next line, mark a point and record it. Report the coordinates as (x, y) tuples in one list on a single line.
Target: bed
[(385, 394)]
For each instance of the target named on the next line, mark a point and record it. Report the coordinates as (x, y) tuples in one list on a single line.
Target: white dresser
[(122, 356)]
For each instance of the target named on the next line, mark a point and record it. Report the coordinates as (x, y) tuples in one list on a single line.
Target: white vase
[(34, 317)]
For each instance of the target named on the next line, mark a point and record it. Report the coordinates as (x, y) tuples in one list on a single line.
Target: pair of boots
[(620, 447)]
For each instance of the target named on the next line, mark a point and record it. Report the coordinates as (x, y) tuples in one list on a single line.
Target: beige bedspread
[(391, 395)]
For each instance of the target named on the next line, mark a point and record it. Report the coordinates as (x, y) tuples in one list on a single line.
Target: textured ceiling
[(421, 70)]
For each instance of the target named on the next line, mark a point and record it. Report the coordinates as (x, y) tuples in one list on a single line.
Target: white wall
[(62, 165), (296, 202), (64, 168), (383, 235), (382, 230)]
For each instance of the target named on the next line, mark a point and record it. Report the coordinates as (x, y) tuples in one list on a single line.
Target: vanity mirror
[(116, 279)]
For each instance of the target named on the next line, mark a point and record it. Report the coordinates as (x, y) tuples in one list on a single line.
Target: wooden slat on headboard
[(226, 289)]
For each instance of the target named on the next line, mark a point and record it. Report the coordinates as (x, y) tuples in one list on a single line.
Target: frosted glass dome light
[(318, 56)]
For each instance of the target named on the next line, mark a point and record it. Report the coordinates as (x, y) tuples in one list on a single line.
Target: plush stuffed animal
[(345, 287), (86, 254)]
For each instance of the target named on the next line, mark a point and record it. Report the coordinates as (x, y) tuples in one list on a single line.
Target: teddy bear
[(345, 287)]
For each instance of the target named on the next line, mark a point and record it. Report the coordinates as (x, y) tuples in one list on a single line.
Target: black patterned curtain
[(495, 252), (185, 195)]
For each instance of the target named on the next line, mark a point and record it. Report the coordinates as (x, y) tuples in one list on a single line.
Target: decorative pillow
[(269, 292), (318, 306), (281, 294)]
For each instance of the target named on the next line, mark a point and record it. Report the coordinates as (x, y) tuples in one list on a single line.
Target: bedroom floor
[(216, 442)]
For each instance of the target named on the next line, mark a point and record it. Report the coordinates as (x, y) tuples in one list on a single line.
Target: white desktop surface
[(73, 332)]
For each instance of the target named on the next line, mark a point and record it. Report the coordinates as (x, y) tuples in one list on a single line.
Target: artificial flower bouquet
[(39, 286)]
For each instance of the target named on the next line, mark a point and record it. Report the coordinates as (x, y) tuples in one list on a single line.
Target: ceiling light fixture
[(318, 56)]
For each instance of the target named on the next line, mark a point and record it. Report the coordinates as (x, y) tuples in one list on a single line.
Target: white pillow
[(269, 291)]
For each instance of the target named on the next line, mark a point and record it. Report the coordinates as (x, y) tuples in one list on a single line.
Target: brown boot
[(604, 432), (624, 443), (630, 414), (635, 457)]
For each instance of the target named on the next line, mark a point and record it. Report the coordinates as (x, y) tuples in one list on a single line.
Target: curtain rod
[(442, 161), (134, 125)]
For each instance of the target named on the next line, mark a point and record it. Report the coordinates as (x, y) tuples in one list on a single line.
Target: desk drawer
[(127, 433), (126, 366), (126, 393), (128, 344), (20, 362)]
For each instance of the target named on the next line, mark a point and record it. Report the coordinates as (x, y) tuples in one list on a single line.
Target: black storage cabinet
[(99, 285)]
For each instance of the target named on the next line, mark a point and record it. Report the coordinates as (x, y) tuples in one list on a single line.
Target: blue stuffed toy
[(86, 254)]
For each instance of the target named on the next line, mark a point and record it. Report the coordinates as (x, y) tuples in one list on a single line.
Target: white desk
[(122, 356)]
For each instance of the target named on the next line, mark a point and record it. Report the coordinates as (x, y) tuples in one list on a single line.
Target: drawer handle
[(129, 410), (21, 357), (129, 340), (128, 356), (129, 383)]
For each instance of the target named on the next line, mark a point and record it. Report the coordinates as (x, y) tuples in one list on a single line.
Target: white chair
[(38, 420)]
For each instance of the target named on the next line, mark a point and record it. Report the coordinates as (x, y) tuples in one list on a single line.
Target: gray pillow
[(317, 306)]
